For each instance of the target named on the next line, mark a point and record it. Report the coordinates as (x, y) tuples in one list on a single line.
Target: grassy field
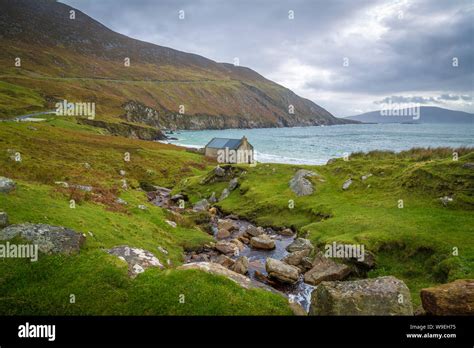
[(57, 150), (415, 243)]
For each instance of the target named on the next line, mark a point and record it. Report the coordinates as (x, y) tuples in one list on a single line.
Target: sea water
[(316, 145)]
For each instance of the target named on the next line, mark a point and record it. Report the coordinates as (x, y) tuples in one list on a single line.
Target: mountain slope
[(428, 114), (82, 60)]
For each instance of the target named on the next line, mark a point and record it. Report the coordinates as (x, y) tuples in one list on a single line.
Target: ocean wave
[(268, 158)]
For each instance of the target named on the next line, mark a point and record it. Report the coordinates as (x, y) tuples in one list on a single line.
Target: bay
[(316, 145)]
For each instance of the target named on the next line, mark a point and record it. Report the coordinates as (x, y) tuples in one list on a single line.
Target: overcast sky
[(348, 56)]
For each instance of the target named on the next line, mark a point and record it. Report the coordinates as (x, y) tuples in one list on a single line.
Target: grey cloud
[(388, 55), (402, 99), (423, 100), (455, 97)]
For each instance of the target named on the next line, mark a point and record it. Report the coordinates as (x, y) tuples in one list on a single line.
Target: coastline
[(317, 145)]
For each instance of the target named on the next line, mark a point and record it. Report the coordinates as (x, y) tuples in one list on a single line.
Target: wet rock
[(50, 239), (299, 183), (325, 269), (300, 244), (244, 239), (138, 260), (253, 231), (295, 258), (377, 296), (238, 243), (455, 298), (202, 205), (6, 185), (233, 184), (347, 184), (222, 234), (225, 261), (281, 271), (3, 219), (264, 279), (241, 265), (225, 193), (288, 232), (262, 242), (225, 228), (226, 224), (306, 264), (226, 247)]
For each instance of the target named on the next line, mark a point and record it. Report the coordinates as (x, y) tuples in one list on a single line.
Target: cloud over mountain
[(390, 47)]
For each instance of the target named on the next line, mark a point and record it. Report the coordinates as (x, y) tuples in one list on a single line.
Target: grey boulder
[(138, 260), (202, 205), (241, 265), (3, 219), (347, 184), (233, 184), (325, 269), (296, 257), (6, 185), (299, 183), (262, 242), (300, 244), (50, 239), (281, 271), (377, 296)]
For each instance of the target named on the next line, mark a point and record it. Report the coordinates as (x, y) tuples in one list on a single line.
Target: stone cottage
[(226, 150)]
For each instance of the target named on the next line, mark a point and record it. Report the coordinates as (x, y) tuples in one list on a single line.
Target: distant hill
[(428, 114), (82, 60)]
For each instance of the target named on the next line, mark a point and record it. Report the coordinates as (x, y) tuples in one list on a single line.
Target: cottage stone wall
[(244, 153)]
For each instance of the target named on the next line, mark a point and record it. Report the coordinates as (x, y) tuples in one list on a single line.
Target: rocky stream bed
[(298, 292)]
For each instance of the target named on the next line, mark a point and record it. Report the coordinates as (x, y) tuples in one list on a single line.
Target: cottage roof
[(222, 143)]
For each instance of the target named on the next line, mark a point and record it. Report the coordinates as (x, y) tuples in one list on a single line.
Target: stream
[(300, 292)]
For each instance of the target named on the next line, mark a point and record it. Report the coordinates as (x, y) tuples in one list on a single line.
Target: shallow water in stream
[(299, 292)]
